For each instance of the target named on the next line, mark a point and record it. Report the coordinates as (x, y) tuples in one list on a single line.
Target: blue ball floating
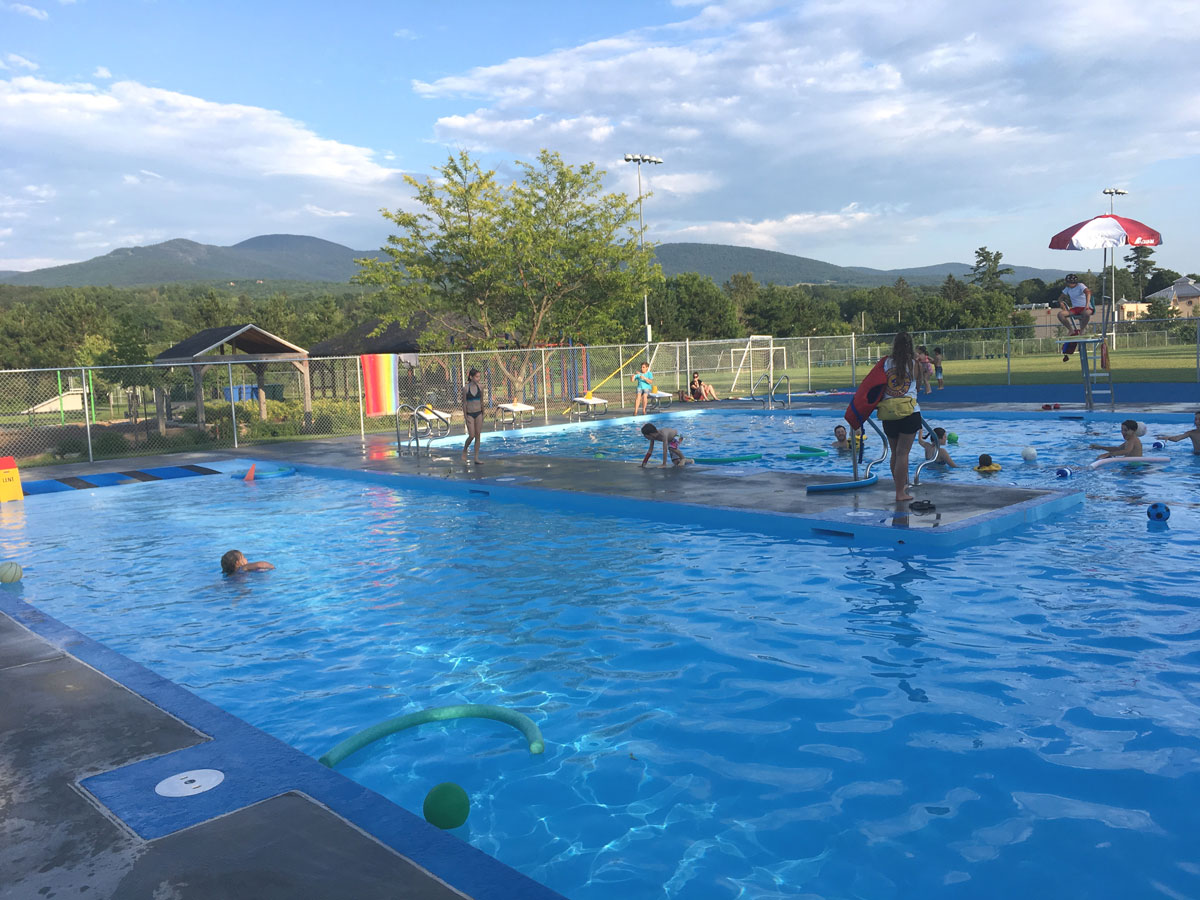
[(1158, 445), (1158, 512), (1062, 472)]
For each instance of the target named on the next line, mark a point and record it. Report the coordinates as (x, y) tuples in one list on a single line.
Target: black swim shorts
[(910, 424)]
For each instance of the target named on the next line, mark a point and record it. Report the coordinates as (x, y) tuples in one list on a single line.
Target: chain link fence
[(57, 415)]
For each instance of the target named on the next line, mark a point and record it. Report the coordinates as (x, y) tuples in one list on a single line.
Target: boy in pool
[(1194, 434), (234, 563), (939, 455), (937, 367), (670, 440), (644, 380), (1132, 445)]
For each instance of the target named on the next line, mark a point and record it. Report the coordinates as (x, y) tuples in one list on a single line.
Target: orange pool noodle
[(250, 474)]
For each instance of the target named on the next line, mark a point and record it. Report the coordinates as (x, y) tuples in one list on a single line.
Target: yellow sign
[(10, 480)]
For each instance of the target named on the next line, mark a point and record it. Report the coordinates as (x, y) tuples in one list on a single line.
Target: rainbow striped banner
[(381, 383)]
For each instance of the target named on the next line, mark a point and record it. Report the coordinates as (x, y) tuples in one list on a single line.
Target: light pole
[(640, 158), (1111, 193)]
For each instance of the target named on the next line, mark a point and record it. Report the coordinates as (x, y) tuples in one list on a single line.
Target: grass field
[(1167, 364)]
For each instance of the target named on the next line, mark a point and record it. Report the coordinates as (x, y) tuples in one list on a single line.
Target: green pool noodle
[(803, 452), (517, 720)]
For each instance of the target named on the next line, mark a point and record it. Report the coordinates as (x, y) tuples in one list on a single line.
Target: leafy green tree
[(1140, 264), (1162, 278), (988, 272), (490, 265), (742, 290), (212, 310), (692, 306), (953, 290), (1159, 308)]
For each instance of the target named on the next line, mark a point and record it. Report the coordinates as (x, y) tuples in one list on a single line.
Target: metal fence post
[(1008, 351), (232, 405), (87, 421), (545, 387), (1196, 322), (853, 366), (808, 341), (362, 420), (687, 344), (621, 360)]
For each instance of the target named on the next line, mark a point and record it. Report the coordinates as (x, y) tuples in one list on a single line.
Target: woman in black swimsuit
[(472, 413)]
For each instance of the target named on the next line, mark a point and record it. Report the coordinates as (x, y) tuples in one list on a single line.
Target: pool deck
[(84, 729)]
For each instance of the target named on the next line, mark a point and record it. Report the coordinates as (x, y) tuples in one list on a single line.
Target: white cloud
[(32, 11), (29, 263), (5, 232), (327, 213), (406, 34), (102, 72), (132, 119), (800, 108), (13, 61), (40, 191), (772, 234)]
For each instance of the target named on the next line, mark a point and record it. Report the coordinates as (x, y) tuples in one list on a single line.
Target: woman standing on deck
[(472, 413), (898, 411)]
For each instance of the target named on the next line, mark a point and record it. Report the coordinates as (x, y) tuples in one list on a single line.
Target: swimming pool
[(726, 714)]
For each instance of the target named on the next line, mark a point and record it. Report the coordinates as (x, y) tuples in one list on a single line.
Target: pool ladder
[(883, 454), (425, 423), (768, 399)]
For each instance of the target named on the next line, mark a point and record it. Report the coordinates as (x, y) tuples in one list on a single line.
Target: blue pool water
[(727, 715)]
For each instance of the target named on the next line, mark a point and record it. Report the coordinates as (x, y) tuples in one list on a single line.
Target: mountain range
[(292, 257)]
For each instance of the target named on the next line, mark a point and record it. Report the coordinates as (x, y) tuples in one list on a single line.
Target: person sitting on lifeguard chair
[(1076, 305)]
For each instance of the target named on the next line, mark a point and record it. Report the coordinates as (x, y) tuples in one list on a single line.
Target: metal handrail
[(788, 393), (933, 439), (883, 454), (766, 399), (413, 433)]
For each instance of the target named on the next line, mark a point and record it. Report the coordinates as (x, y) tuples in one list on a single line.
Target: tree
[(692, 306), (953, 290), (987, 272), (1162, 278), (1140, 266), (741, 289), (1159, 308), (491, 266)]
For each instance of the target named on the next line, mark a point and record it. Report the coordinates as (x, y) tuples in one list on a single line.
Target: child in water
[(670, 440), (1193, 435), (234, 563), (1131, 445), (939, 455)]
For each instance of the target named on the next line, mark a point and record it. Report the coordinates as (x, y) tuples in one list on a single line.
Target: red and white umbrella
[(1106, 231)]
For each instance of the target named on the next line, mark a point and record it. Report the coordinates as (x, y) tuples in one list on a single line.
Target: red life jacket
[(868, 396)]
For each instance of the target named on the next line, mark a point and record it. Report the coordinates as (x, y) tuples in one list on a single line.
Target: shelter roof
[(395, 338), (1183, 288), (249, 343)]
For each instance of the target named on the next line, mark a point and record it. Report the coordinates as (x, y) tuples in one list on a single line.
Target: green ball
[(446, 805), (952, 438), (10, 572), (598, 455)]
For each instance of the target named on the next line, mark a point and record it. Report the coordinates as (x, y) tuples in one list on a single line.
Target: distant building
[(1184, 295)]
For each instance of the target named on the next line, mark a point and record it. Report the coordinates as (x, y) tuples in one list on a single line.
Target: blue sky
[(861, 132)]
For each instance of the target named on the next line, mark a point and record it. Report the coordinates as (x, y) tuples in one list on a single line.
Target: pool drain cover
[(197, 781)]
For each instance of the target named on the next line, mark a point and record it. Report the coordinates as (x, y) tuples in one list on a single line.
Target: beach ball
[(1158, 445), (1029, 454), (10, 572), (1141, 429), (951, 438), (446, 805), (1062, 472), (1158, 512)]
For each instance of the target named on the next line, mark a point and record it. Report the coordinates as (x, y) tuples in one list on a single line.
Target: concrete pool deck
[(75, 713)]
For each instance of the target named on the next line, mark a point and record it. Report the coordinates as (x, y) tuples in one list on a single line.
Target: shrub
[(109, 443), (70, 446)]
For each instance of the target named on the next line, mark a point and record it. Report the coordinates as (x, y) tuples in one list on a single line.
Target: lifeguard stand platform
[(1093, 359)]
